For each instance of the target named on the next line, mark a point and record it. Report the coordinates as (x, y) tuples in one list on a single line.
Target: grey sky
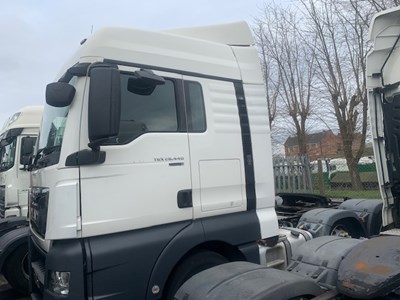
[(36, 37)]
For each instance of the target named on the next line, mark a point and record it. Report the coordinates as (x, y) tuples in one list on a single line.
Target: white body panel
[(262, 156), (216, 155), (63, 222)]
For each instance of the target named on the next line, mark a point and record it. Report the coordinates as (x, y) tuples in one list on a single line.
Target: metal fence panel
[(330, 177), (292, 174)]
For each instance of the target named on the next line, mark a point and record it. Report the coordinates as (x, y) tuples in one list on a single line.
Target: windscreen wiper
[(49, 150), (40, 159)]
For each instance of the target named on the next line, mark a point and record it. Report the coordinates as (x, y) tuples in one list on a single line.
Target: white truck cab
[(153, 163), (383, 83), (20, 129)]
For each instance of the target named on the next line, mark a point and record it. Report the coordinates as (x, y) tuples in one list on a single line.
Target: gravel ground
[(7, 293)]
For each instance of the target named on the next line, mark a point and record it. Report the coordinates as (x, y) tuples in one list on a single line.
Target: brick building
[(320, 144)]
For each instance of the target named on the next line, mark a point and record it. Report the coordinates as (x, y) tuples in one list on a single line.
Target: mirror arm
[(95, 145)]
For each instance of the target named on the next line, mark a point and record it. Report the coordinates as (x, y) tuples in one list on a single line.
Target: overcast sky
[(36, 37)]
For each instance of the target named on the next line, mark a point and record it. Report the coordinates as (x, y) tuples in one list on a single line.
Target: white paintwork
[(384, 30), (133, 190), (66, 196), (13, 212), (221, 184), (237, 33), (15, 179), (219, 145)]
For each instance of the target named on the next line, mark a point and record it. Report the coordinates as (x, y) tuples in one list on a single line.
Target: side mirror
[(59, 94), (27, 147), (4, 142), (104, 104), (144, 82)]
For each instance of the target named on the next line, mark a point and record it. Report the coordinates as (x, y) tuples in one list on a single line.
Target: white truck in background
[(17, 139), (18, 134)]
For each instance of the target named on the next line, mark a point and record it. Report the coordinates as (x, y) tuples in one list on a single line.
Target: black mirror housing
[(59, 94), (104, 103), (144, 82), (27, 147), (4, 142)]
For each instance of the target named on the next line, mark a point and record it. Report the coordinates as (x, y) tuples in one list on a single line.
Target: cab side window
[(155, 112), (196, 118)]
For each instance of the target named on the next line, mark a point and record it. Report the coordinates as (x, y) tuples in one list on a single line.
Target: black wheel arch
[(355, 225), (224, 240), (320, 221)]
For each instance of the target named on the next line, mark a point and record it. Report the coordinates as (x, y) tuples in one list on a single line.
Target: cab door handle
[(185, 198)]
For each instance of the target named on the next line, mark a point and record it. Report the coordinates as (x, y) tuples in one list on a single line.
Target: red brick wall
[(331, 146), (328, 147)]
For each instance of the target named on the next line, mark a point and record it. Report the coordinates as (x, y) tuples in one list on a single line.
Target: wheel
[(344, 228), (16, 270), (192, 265)]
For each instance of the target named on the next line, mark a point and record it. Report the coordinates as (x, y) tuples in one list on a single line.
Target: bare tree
[(272, 83), (293, 64), (341, 60), (379, 5)]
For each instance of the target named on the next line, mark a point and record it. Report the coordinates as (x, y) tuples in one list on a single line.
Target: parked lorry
[(18, 132), (151, 164), (154, 164), (17, 139)]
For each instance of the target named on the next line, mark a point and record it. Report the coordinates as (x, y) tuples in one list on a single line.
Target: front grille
[(38, 204), (2, 201)]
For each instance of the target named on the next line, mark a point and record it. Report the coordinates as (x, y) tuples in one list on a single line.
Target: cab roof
[(204, 50), (26, 117)]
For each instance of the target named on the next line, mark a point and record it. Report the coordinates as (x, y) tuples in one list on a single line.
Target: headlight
[(59, 282)]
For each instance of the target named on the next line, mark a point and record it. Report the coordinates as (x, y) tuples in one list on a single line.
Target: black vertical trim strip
[(247, 146), (180, 104)]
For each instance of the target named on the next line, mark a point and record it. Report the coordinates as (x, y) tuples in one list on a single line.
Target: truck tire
[(345, 228), (15, 270), (190, 266)]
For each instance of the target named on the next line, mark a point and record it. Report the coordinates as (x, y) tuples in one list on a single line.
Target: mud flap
[(244, 280), (371, 269), (320, 258), (369, 212)]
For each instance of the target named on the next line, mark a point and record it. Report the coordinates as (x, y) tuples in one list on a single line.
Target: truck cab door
[(145, 180)]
